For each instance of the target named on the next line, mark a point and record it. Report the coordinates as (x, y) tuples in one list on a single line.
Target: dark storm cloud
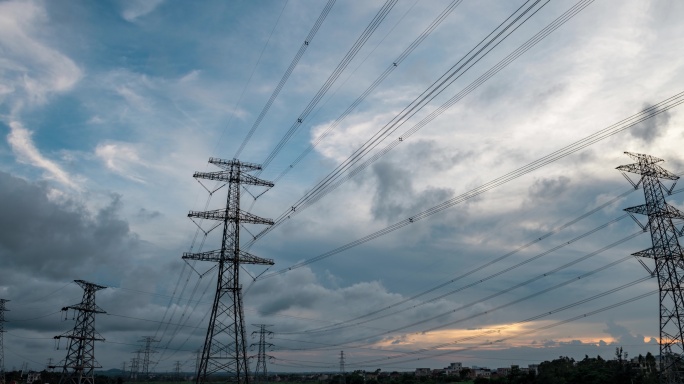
[(395, 196), (652, 128), (58, 240)]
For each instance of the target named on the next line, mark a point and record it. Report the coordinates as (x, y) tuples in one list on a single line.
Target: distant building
[(503, 372), (533, 368), (453, 369), (423, 372)]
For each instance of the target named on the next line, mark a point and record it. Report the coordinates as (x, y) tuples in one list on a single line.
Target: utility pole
[(342, 378), (80, 363), (668, 257), (224, 344), (146, 351), (2, 343), (260, 372)]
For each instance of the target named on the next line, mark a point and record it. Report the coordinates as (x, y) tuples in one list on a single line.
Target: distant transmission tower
[(342, 379), (135, 365), (260, 372), (146, 351), (668, 256), (177, 371), (80, 359), (2, 344), (224, 345)]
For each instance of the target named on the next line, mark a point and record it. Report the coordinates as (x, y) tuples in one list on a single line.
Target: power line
[(249, 79), (286, 75), (501, 292), (360, 42), (394, 65), (494, 275), (328, 184), (609, 131), (494, 261), (531, 319)]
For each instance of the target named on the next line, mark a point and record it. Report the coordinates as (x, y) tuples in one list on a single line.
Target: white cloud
[(134, 9), (22, 144), (120, 158), (31, 69)]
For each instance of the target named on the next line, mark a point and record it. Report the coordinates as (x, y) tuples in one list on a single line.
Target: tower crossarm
[(666, 210), (78, 337), (228, 176), (234, 163), (84, 308), (652, 170), (222, 215), (648, 252), (88, 285), (245, 258)]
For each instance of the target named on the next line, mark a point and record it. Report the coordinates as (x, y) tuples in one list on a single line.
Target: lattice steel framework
[(79, 364), (146, 351), (668, 257), (343, 380), (2, 344), (260, 372), (224, 345)]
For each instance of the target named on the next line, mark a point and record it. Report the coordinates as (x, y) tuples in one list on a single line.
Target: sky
[(108, 108)]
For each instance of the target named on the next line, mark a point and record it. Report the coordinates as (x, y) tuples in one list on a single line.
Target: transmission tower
[(342, 379), (135, 365), (80, 363), (146, 351), (177, 371), (260, 372), (224, 344), (668, 257), (2, 344)]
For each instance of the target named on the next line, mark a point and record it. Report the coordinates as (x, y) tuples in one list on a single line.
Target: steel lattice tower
[(80, 361), (260, 372), (2, 344), (224, 344), (668, 257), (342, 378), (145, 369)]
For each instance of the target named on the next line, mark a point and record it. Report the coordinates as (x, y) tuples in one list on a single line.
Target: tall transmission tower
[(80, 363), (342, 378), (2, 344), (146, 351), (224, 344), (260, 372), (668, 257)]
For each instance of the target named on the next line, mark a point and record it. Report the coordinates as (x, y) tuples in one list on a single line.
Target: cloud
[(653, 128), (134, 9), (549, 188), (622, 335), (120, 158), (20, 140), (59, 240), (395, 196), (30, 69)]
